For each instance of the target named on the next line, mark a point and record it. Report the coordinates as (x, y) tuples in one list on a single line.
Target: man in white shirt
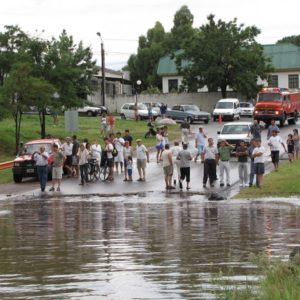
[(259, 162), (108, 148), (119, 143), (274, 142), (96, 151), (210, 157), (41, 160), (142, 157), (67, 148)]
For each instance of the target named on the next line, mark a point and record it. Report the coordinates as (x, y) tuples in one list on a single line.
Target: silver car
[(128, 112)]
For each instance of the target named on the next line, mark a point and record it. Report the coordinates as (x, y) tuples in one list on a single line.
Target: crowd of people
[(118, 154)]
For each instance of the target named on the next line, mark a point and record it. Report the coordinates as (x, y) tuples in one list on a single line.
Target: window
[(173, 85), (273, 81), (293, 81)]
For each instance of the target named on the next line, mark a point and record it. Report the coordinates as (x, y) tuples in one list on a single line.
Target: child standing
[(129, 168), (290, 147)]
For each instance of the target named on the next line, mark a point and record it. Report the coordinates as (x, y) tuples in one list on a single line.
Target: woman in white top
[(159, 144)]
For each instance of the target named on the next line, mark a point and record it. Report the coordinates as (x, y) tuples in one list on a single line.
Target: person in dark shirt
[(75, 148), (252, 167), (127, 136), (242, 155)]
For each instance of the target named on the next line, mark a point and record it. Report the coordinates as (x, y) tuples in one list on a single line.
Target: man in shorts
[(200, 142), (108, 149), (142, 157), (274, 142), (184, 156), (57, 167), (259, 162), (167, 162), (119, 143)]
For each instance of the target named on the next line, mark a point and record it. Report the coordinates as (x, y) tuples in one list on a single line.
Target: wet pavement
[(135, 240)]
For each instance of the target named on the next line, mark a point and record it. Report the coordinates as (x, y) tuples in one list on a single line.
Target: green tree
[(293, 39), (69, 68), (182, 32), (143, 65), (19, 90), (224, 55), (11, 41)]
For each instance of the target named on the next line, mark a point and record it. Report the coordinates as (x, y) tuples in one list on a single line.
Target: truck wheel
[(90, 113), (206, 121), (17, 178), (123, 117), (232, 118), (282, 121), (294, 120)]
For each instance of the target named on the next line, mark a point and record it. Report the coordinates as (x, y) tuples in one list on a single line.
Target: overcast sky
[(121, 22)]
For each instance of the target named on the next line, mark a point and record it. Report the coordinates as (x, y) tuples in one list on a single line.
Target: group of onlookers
[(117, 154)]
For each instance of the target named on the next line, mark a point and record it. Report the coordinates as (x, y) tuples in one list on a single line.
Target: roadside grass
[(280, 281), (284, 183), (88, 128)]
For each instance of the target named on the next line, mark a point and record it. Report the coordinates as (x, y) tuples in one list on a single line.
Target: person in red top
[(110, 120)]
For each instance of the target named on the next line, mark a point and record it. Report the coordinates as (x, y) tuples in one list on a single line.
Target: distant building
[(116, 83), (285, 59)]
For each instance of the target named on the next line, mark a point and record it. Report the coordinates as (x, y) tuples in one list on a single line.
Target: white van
[(228, 108)]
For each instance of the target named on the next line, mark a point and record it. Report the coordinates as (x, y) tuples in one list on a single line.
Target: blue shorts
[(259, 168), (129, 172), (160, 146), (200, 149)]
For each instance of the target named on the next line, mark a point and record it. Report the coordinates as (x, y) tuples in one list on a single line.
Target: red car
[(24, 165)]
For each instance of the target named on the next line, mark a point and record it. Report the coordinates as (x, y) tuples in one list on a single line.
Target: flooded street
[(136, 248)]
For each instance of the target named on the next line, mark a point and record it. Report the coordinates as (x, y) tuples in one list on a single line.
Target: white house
[(285, 59)]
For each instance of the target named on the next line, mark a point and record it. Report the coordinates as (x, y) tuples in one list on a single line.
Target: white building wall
[(165, 82), (283, 79)]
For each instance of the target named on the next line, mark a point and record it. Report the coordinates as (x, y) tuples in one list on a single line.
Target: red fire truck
[(277, 104)]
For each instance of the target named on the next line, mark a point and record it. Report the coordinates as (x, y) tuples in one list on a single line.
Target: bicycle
[(93, 170), (104, 170)]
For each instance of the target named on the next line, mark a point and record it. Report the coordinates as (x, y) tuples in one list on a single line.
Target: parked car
[(228, 108), (127, 111), (24, 165), (234, 132), (33, 110), (154, 105), (189, 112), (92, 111), (247, 109)]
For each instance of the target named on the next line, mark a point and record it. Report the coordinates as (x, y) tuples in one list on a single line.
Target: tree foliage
[(42, 73), (222, 55), (293, 39), (182, 32), (143, 65)]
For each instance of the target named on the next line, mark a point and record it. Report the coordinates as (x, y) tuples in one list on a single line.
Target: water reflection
[(134, 249)]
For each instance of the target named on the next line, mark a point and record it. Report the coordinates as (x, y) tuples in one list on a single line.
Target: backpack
[(114, 152)]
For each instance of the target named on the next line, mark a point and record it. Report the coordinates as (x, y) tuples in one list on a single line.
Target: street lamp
[(103, 70), (138, 84)]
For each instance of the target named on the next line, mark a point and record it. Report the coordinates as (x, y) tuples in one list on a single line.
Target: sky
[(121, 22)]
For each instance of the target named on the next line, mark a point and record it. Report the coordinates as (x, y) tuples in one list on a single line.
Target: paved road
[(154, 176)]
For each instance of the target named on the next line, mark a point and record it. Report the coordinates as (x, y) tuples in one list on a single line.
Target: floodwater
[(148, 247)]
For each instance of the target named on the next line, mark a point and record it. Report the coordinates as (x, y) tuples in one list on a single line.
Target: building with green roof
[(285, 59)]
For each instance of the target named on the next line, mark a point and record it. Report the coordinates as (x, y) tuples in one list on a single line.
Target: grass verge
[(281, 281), (284, 183), (88, 128)]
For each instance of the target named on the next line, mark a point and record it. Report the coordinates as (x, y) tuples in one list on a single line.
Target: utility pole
[(103, 83)]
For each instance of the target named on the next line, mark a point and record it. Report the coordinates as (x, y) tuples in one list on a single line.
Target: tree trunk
[(18, 118), (224, 91), (42, 118)]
